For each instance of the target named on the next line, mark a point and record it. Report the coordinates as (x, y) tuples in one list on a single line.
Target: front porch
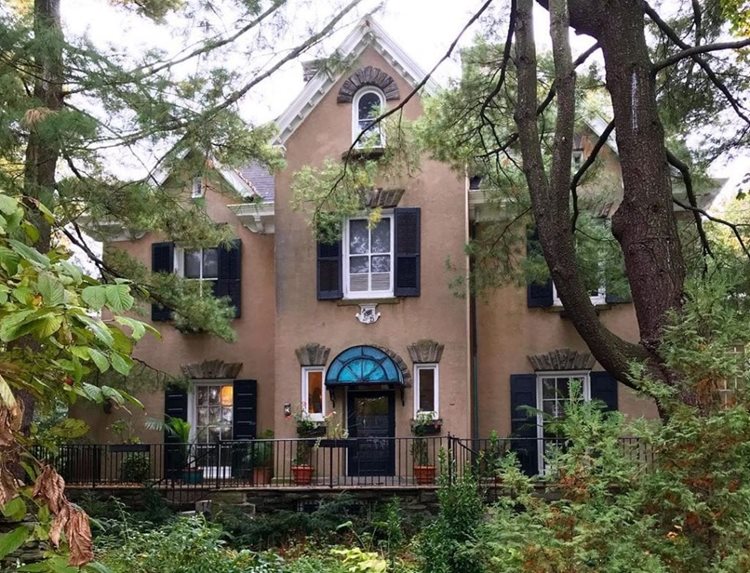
[(301, 463)]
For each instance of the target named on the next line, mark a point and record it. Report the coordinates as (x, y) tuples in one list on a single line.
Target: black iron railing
[(302, 462)]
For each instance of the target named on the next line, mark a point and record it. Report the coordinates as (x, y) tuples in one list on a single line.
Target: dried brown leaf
[(50, 488), (8, 486), (36, 115), (78, 533), (10, 421), (58, 524)]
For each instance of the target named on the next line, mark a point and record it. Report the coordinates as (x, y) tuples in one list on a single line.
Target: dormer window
[(198, 189), (368, 104)]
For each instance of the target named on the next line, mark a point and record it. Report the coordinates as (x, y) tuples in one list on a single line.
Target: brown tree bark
[(43, 153), (644, 224)]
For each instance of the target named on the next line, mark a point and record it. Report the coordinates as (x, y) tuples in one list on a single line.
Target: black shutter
[(175, 406), (329, 271), (162, 261), (523, 422), (538, 295), (604, 388), (229, 283), (245, 410), (407, 255)]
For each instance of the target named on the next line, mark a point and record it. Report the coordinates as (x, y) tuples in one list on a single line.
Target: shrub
[(186, 545), (135, 467), (446, 545)]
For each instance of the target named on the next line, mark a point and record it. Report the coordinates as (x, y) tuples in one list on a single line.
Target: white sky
[(423, 28)]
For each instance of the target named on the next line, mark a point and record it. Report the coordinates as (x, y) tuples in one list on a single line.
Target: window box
[(426, 427), (311, 429)]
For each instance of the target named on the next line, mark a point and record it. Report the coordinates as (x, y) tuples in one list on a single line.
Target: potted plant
[(424, 471), (179, 453), (260, 459), (306, 426), (336, 436), (302, 470), (135, 466)]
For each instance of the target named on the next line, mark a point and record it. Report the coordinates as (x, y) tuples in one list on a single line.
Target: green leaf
[(6, 394), (29, 253), (15, 509), (72, 271), (44, 326), (136, 326), (51, 289), (94, 296), (99, 359), (119, 298), (8, 205), (31, 231), (91, 392), (98, 328), (121, 363), (9, 260), (12, 540), (10, 326), (113, 395)]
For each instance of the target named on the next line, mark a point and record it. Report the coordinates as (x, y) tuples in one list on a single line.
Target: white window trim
[(355, 116), (598, 299), (304, 392), (541, 375), (198, 188), (417, 368), (386, 214)]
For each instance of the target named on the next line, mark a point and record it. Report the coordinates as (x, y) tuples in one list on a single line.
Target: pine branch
[(695, 50)]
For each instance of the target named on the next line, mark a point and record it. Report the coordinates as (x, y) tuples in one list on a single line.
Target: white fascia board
[(367, 32)]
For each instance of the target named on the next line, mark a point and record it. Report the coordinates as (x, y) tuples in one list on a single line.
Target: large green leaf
[(121, 363), (119, 298), (12, 540), (51, 289), (99, 359), (99, 329), (136, 326), (15, 509), (29, 253), (11, 325), (8, 205), (94, 296)]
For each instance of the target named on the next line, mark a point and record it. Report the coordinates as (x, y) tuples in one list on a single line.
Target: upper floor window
[(201, 265), (368, 258), (198, 189), (368, 104), (598, 295)]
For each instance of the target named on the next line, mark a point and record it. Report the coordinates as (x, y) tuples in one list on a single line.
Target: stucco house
[(365, 331)]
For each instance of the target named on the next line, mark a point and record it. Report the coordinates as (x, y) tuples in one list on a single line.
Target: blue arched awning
[(363, 365)]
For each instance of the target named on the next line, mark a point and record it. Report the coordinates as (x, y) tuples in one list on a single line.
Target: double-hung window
[(368, 104), (313, 399), (368, 258), (553, 394), (426, 390), (201, 265)]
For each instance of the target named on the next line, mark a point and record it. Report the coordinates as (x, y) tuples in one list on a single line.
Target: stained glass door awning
[(362, 365)]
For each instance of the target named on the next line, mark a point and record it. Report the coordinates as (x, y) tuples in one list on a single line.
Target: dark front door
[(370, 418)]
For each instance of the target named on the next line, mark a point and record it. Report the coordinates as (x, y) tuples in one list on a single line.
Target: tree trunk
[(644, 224), (43, 153)]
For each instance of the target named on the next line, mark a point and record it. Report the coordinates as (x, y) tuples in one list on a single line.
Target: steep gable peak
[(367, 33)]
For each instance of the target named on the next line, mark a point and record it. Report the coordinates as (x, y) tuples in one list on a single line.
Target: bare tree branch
[(695, 50), (733, 226), (672, 35), (585, 167), (688, 180)]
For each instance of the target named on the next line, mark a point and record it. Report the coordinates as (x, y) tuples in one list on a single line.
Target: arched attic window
[(368, 103)]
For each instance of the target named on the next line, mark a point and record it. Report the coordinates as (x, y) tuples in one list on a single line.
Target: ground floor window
[(426, 389), (312, 399), (213, 412), (553, 394)]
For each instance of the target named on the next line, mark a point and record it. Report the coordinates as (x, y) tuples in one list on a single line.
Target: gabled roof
[(367, 33)]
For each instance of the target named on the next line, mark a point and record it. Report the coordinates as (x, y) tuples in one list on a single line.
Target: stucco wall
[(255, 330), (436, 313)]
